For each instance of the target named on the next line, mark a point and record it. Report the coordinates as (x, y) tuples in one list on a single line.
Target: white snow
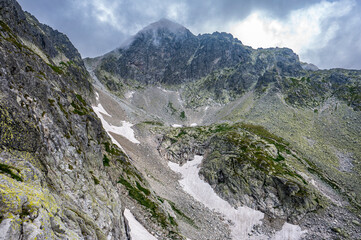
[(289, 232), (124, 130), (194, 124), (100, 109), (137, 231), (129, 94), (243, 218), (177, 125), (97, 96)]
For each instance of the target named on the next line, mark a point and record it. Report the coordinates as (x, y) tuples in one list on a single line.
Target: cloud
[(303, 30), (311, 27)]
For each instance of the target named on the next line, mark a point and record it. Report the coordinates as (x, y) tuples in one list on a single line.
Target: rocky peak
[(164, 25), (163, 33)]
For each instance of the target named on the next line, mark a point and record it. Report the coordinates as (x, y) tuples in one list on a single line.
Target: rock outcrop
[(60, 174)]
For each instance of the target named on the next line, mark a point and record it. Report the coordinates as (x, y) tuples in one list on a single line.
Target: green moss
[(172, 221), (154, 123), (80, 98), (262, 132), (106, 161), (5, 27), (7, 170), (96, 180), (182, 115), (181, 214), (144, 190), (29, 69), (56, 69), (110, 148), (63, 110), (221, 128), (11, 37), (170, 106), (142, 199), (79, 107), (279, 158), (51, 102)]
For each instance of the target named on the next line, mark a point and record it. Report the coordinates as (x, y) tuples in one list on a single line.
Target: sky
[(326, 33)]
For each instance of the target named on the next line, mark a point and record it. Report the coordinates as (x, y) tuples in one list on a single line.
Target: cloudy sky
[(326, 33)]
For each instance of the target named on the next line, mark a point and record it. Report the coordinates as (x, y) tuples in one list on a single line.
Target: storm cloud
[(326, 33)]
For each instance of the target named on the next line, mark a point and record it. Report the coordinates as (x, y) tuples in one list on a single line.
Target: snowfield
[(137, 231), (242, 219), (124, 130)]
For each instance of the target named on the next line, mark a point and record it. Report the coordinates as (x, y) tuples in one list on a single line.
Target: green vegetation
[(236, 153), (56, 69), (181, 214), (106, 161), (51, 102), (80, 98), (80, 106), (111, 149), (96, 180), (170, 106), (155, 123), (142, 199), (144, 190), (6, 169), (63, 110), (183, 115)]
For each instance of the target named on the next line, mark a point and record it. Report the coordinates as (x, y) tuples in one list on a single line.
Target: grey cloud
[(344, 50), (93, 37)]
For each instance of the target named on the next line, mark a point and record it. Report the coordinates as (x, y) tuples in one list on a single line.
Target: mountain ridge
[(102, 154)]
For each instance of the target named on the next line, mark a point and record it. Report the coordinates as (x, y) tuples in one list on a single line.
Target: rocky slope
[(61, 176)]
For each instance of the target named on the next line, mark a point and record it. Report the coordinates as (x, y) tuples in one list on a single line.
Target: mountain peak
[(164, 24)]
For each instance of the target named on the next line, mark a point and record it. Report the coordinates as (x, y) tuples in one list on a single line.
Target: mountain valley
[(173, 136)]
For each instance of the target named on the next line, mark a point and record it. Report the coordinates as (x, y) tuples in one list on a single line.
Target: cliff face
[(59, 170), (220, 67)]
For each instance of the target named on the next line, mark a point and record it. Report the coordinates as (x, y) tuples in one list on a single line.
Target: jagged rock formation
[(220, 67), (59, 170)]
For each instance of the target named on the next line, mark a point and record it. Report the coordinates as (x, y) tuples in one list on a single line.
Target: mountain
[(173, 136), (59, 170), (212, 96)]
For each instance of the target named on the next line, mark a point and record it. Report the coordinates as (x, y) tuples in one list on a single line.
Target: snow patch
[(129, 94), (290, 232), (243, 218), (137, 231), (97, 96), (194, 125), (125, 130), (100, 109), (177, 125)]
